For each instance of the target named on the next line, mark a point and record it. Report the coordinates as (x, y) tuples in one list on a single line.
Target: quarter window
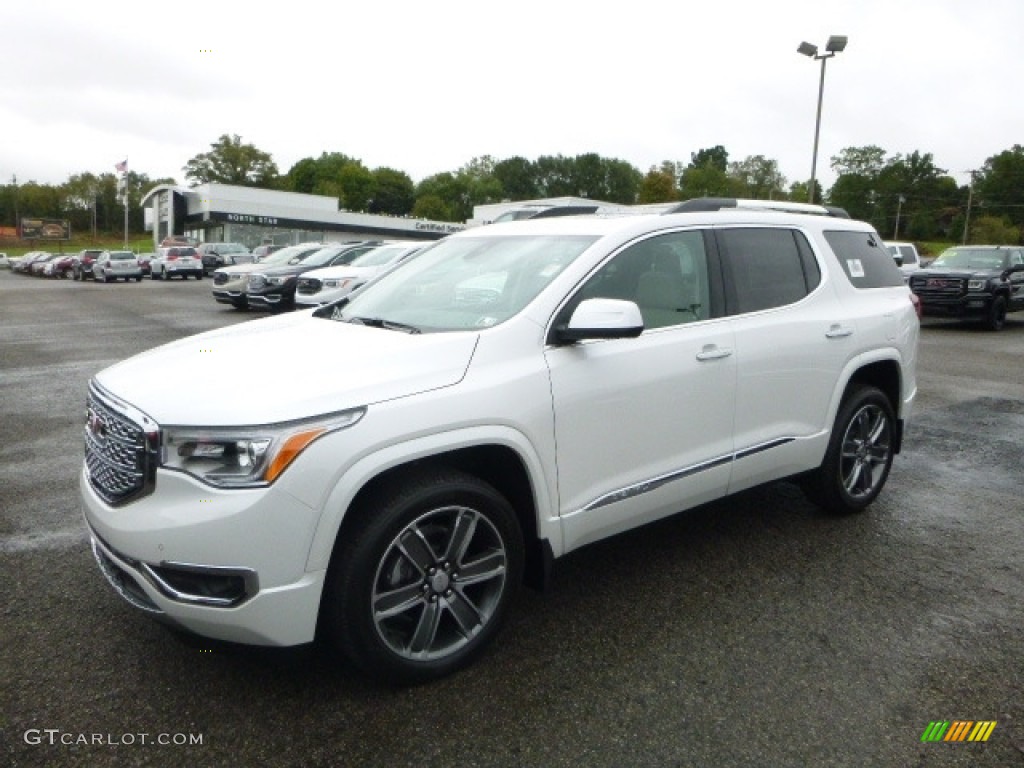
[(866, 262)]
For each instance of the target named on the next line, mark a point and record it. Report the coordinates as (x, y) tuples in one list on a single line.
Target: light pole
[(899, 209), (835, 44)]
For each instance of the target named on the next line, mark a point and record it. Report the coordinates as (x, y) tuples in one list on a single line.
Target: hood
[(238, 269), (284, 368), (962, 272)]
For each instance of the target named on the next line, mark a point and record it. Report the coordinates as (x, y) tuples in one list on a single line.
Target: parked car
[(175, 240), (24, 264), (216, 255), (262, 251), (113, 265), (981, 282), (906, 257), (425, 448), (39, 263), (60, 266), (229, 283), (5, 261), (81, 269), (145, 259), (321, 286), (273, 287), (176, 261)]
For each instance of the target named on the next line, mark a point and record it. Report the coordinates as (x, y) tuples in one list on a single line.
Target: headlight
[(976, 285), (340, 282), (245, 457)]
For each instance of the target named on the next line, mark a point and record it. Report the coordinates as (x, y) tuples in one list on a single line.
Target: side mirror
[(602, 319), (898, 259)]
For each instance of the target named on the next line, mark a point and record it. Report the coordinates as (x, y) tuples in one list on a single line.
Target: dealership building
[(223, 213)]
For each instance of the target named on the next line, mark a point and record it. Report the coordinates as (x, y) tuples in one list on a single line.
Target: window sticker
[(855, 268)]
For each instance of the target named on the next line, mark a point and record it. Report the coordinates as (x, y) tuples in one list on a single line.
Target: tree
[(517, 177), (229, 161), (758, 177), (994, 229), (706, 175), (999, 185), (658, 186), (432, 207), (357, 185), (393, 192)]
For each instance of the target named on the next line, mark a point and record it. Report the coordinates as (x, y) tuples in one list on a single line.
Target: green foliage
[(999, 184), (658, 186), (229, 161), (393, 192), (993, 230)]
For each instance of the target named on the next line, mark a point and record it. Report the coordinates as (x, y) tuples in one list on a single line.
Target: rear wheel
[(421, 581), (859, 454)]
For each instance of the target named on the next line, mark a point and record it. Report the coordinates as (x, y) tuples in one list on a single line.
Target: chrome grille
[(257, 282), (937, 287), (308, 285), (120, 454)]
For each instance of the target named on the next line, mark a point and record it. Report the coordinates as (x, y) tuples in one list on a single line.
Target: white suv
[(511, 394)]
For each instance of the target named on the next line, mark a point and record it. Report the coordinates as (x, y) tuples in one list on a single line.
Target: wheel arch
[(501, 464), (884, 374)]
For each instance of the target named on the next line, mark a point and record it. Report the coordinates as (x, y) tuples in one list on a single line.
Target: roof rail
[(564, 210), (699, 204)]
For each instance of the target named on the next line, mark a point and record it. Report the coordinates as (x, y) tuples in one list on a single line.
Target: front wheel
[(996, 318), (421, 581), (859, 454)]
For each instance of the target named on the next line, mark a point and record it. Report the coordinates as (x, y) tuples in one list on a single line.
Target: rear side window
[(766, 268), (908, 254), (866, 262)]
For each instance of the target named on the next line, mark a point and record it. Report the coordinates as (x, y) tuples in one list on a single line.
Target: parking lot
[(749, 632)]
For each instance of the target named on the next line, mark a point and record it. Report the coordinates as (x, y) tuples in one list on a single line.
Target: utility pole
[(970, 196)]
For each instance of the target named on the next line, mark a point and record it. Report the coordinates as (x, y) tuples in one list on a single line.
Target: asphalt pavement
[(751, 632)]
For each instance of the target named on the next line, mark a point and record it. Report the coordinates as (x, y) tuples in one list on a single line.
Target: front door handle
[(713, 352)]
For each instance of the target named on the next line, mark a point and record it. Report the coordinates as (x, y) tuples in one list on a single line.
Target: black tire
[(996, 317), (107, 278), (859, 455), (440, 553), (75, 275)]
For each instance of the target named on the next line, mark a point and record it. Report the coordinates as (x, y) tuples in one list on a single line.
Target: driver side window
[(666, 275)]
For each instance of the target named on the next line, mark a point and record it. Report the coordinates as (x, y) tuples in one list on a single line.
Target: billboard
[(45, 229)]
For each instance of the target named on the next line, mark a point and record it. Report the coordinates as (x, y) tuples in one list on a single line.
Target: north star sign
[(245, 218)]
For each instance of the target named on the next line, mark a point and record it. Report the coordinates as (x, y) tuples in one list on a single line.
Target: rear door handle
[(838, 332), (713, 352)]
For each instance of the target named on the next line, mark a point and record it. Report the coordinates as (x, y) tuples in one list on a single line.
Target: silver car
[(111, 265)]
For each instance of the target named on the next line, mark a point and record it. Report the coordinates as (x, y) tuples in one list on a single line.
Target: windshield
[(285, 255), (379, 256), (971, 258), (463, 283)]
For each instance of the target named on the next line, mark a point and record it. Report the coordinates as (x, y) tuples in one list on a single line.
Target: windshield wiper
[(378, 322)]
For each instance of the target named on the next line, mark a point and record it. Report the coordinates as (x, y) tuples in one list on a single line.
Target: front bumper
[(962, 306), (228, 565)]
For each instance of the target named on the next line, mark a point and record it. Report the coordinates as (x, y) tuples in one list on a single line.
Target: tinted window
[(667, 277), (766, 268), (866, 262), (908, 254)]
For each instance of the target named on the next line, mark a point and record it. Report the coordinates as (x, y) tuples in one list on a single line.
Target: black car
[(274, 288), (974, 281), (81, 269)]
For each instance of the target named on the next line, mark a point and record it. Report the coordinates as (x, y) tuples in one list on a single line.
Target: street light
[(835, 44)]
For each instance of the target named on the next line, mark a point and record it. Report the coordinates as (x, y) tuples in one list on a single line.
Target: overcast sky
[(426, 87)]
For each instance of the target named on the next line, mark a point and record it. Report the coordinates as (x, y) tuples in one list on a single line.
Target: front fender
[(344, 491)]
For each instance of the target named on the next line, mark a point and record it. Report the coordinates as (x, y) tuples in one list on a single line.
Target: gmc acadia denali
[(422, 447)]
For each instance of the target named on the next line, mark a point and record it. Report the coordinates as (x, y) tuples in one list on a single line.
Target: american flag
[(122, 166)]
